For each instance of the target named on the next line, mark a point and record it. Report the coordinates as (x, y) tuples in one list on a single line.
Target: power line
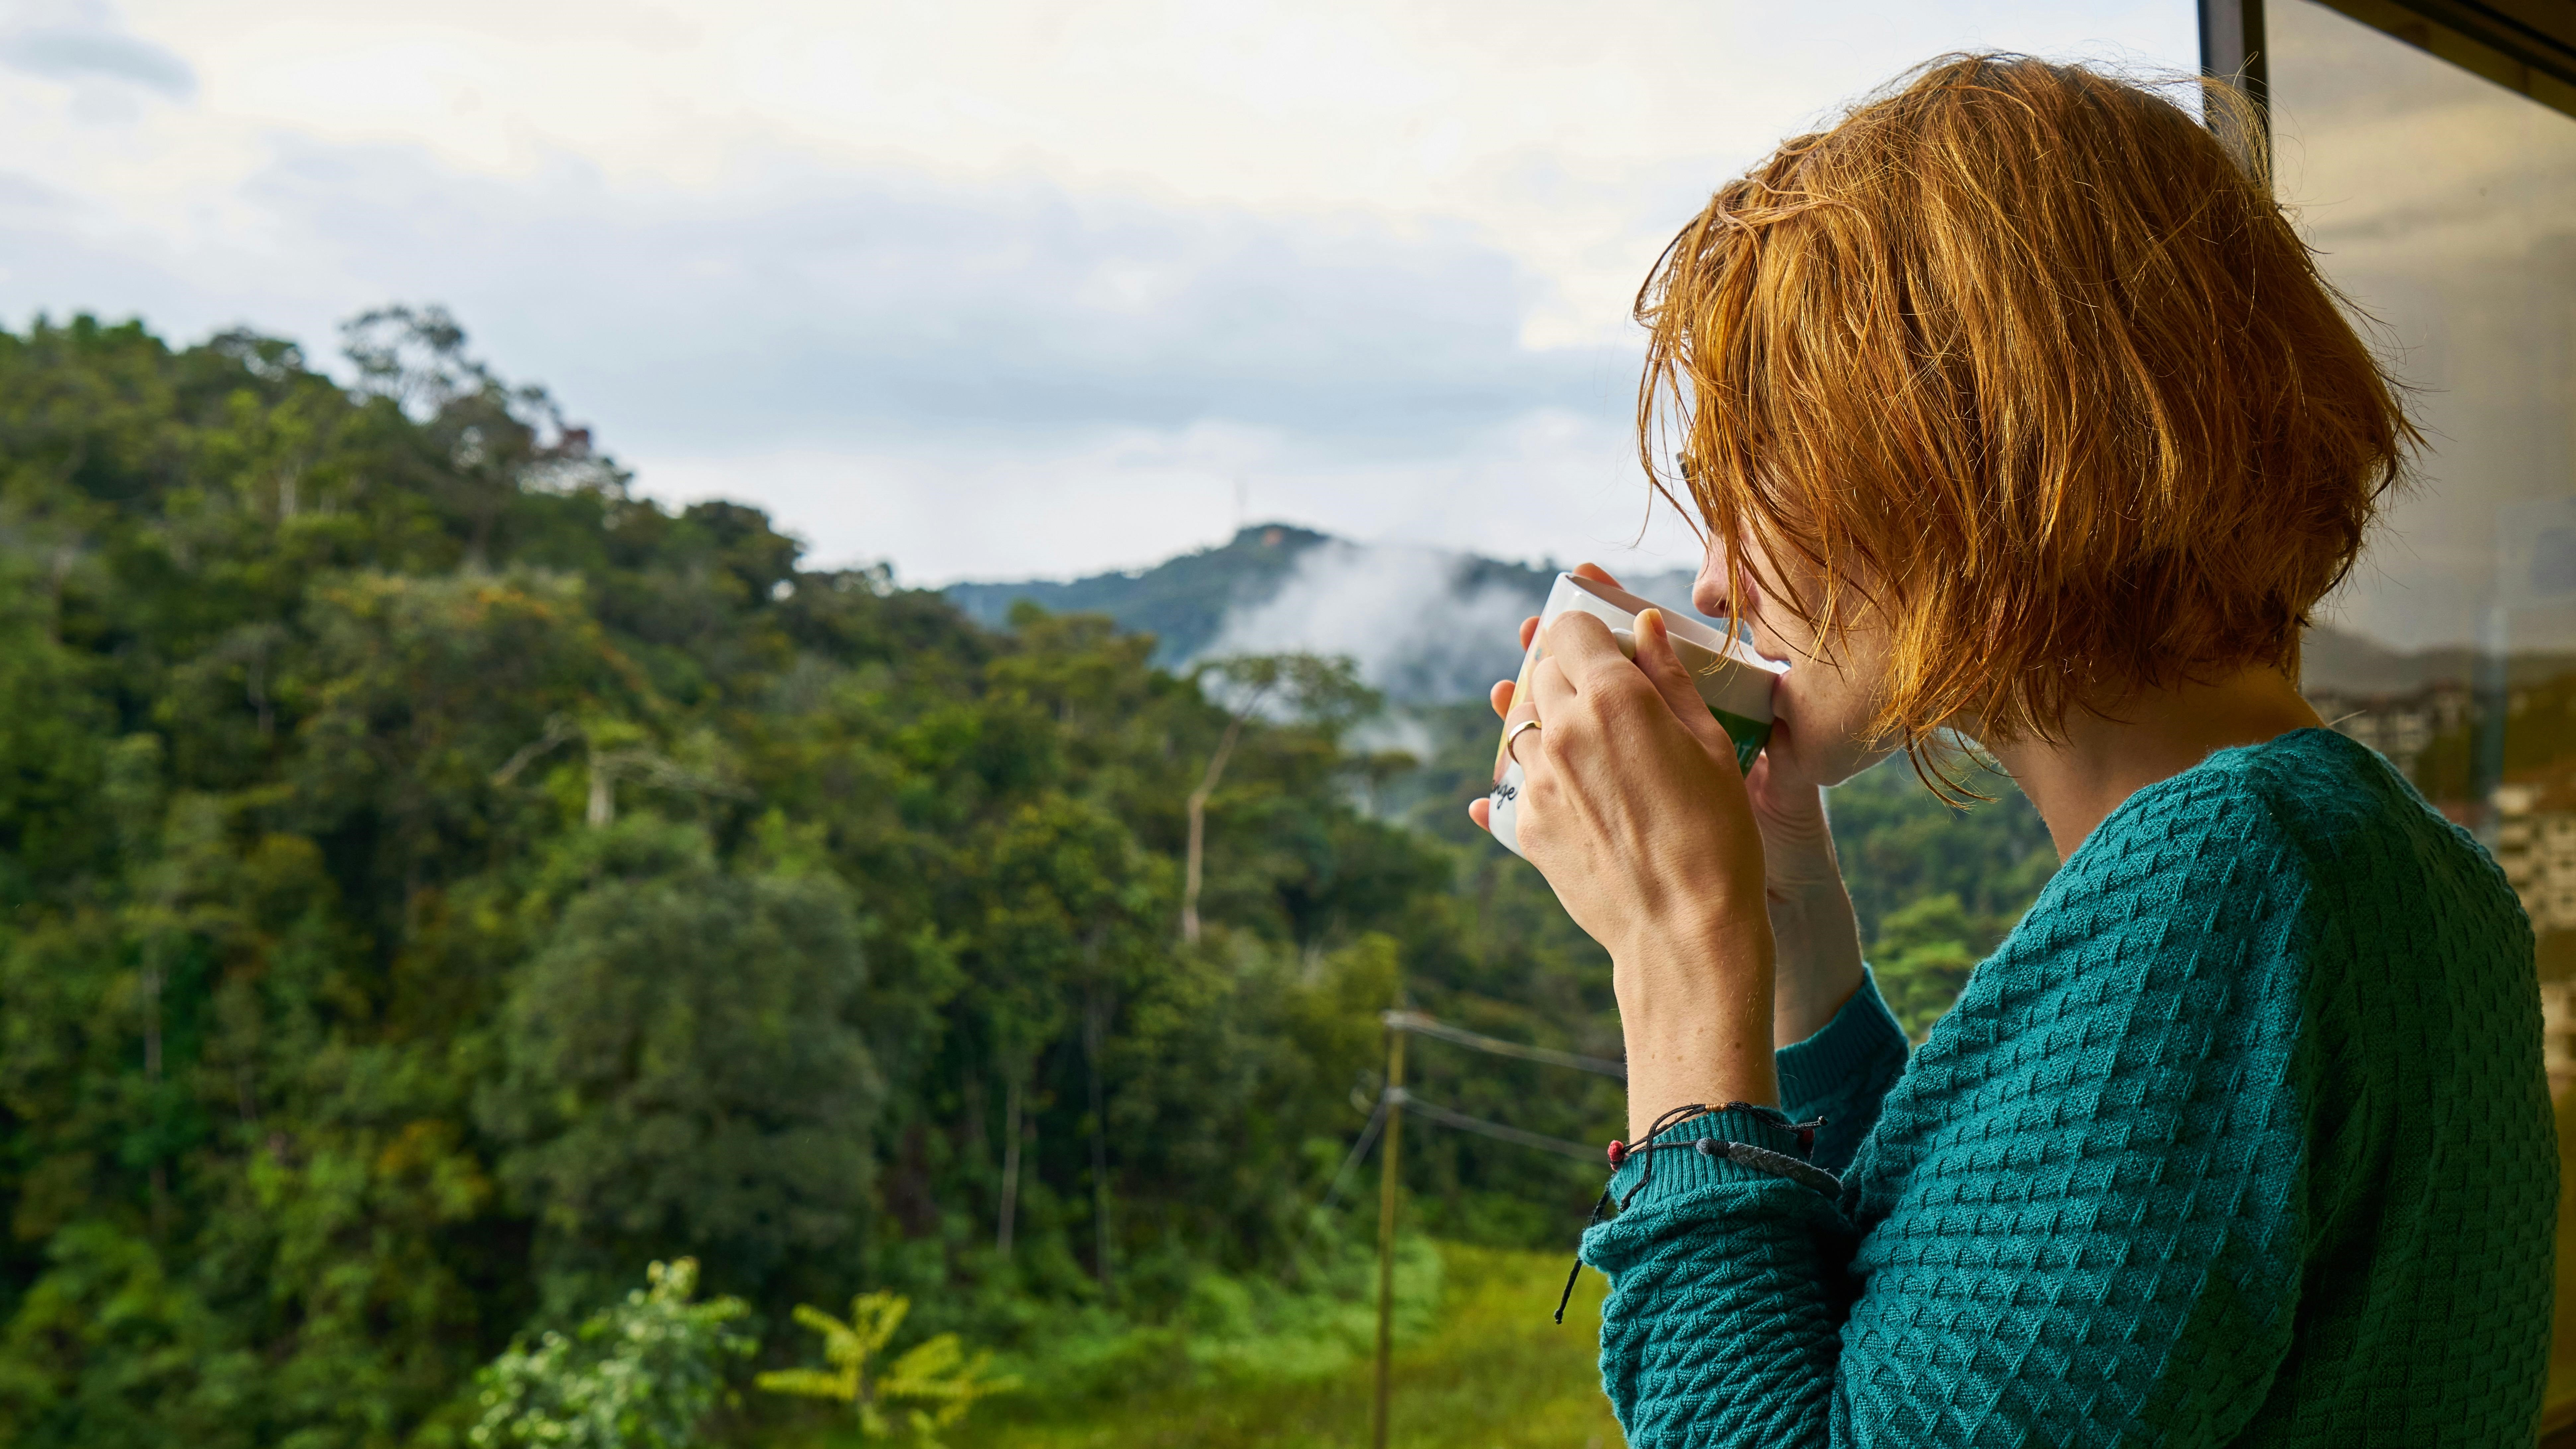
[(1359, 1150), (1390, 1111), (1460, 1120), (1421, 1025)]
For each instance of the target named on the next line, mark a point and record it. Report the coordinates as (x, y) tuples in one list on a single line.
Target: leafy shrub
[(639, 1374)]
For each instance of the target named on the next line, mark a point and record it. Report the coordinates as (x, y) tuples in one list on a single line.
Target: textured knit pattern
[(2240, 1138)]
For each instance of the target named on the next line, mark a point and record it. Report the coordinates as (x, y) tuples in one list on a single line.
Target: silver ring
[(1515, 733)]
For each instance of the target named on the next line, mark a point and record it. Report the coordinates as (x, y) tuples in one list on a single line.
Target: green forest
[(443, 884)]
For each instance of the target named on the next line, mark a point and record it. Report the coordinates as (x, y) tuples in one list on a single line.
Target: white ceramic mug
[(1733, 681)]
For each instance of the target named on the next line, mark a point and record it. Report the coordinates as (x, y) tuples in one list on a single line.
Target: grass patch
[(1483, 1368)]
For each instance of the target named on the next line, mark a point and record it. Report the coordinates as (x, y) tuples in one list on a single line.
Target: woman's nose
[(1711, 596)]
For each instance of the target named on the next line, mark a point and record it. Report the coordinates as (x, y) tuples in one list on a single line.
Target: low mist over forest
[(1422, 625), (441, 882)]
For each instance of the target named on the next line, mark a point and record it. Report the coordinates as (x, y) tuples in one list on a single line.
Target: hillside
[(441, 883), (1431, 626), (1182, 601), (1425, 625)]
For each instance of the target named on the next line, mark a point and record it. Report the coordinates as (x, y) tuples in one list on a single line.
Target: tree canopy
[(439, 881)]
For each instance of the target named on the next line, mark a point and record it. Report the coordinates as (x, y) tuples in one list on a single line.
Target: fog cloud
[(1426, 625), (1403, 614)]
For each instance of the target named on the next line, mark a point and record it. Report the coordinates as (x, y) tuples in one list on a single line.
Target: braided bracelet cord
[(1778, 1164), (1760, 1159)]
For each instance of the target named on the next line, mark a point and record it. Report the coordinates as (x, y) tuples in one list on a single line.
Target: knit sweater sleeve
[(2075, 1219), (1842, 1073)]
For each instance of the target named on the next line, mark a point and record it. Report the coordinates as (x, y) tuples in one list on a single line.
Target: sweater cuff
[(1820, 1068), (1647, 1178)]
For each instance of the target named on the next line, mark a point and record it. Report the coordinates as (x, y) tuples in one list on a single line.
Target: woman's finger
[(1519, 709), (1500, 697), (1550, 690), (1593, 571), (1583, 648)]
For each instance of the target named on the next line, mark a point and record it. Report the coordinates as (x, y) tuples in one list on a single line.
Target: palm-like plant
[(928, 1388)]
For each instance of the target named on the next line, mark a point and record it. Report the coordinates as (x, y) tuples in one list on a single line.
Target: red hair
[(2020, 360)]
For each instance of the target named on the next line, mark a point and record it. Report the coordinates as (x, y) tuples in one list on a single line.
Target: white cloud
[(1102, 260), (1545, 483), (82, 42)]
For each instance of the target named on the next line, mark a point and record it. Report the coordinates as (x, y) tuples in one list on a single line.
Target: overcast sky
[(984, 289)]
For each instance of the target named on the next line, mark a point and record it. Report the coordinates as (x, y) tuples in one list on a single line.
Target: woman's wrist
[(1695, 1010)]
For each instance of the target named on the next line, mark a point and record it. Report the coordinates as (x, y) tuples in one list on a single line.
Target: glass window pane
[(2444, 205)]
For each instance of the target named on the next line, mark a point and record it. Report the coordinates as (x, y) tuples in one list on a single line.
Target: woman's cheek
[(1806, 723), (1822, 732)]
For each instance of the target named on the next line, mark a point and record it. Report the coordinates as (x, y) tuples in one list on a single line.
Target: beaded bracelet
[(1760, 1159)]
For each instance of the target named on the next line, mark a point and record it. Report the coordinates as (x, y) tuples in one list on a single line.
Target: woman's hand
[(1815, 933), (1633, 809)]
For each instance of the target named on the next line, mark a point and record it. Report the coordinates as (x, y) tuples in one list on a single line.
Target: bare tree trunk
[(1390, 1180), (1010, 1167), (60, 574), (603, 794), (152, 1024), (1191, 869)]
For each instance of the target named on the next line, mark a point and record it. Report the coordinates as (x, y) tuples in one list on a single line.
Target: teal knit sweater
[(2240, 1138)]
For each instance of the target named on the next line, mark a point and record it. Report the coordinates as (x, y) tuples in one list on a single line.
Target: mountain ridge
[(1427, 625), (1435, 625), (1181, 601)]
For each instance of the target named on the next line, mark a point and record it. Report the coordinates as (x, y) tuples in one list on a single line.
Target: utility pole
[(1388, 1174)]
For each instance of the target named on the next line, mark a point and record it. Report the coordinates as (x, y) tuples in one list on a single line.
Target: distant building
[(2537, 849), (2558, 1035), (2399, 726)]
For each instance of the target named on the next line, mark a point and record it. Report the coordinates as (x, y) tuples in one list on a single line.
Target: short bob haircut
[(2020, 358)]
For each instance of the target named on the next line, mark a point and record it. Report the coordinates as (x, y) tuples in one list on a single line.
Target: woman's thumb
[(1671, 678)]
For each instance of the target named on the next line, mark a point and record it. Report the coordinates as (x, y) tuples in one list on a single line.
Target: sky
[(981, 289)]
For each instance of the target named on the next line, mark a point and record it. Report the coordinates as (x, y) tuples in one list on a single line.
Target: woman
[(2015, 410)]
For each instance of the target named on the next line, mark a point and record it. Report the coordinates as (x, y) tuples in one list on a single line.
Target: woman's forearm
[(1817, 953), (1817, 935)]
